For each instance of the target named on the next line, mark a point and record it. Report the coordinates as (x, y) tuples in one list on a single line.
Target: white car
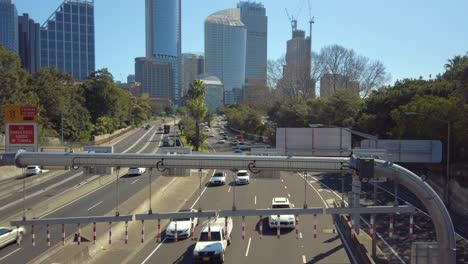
[(33, 170), (213, 249), (285, 221), (242, 177), (136, 171), (219, 178), (184, 226), (10, 234), (221, 141)]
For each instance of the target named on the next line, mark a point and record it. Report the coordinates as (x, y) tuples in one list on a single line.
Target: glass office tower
[(163, 39), (9, 26), (67, 39)]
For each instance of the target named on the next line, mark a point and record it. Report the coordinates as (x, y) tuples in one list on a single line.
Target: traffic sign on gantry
[(21, 128)]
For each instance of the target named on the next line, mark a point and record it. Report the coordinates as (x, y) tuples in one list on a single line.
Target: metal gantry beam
[(442, 221), (73, 220)]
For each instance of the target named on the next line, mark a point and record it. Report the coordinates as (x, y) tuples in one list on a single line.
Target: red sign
[(21, 134), (28, 111)]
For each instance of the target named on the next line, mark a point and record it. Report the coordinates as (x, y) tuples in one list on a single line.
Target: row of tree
[(95, 106)]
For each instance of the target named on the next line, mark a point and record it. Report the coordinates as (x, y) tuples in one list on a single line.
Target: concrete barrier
[(108, 137)]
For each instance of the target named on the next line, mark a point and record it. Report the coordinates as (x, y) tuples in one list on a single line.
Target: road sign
[(18, 114), (21, 136), (413, 151)]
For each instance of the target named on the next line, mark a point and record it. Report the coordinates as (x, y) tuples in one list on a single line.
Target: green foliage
[(97, 106), (244, 118), (196, 108)]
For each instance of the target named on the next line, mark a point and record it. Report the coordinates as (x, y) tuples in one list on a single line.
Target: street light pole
[(62, 127)]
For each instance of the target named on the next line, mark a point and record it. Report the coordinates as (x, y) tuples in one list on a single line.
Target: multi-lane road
[(95, 202)]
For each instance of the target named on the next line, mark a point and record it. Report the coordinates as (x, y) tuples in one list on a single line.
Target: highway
[(97, 202)]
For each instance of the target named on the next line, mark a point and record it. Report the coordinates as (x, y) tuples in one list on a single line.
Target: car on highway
[(33, 170), (225, 137), (284, 221), (211, 246), (136, 171), (242, 177), (211, 135), (160, 130), (221, 141), (219, 178), (10, 234), (181, 227), (237, 150)]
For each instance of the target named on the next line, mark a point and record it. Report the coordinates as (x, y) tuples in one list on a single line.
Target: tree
[(196, 106), (345, 66)]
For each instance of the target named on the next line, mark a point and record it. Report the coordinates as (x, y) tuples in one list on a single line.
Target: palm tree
[(196, 106)]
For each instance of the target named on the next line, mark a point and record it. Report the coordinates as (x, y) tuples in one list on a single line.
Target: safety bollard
[(372, 235), (411, 227), (79, 234), (142, 231), (158, 235), (110, 233), (225, 226), (334, 225), (94, 233), (353, 230), (315, 226), (296, 227), (278, 231), (191, 228), (33, 236), (209, 229), (48, 234), (63, 234), (176, 236), (260, 227), (126, 233), (390, 229), (243, 227)]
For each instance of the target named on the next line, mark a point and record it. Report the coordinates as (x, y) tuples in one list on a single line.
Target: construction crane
[(292, 20)]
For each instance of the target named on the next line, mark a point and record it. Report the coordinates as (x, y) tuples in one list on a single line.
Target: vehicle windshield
[(32, 167), (3, 231), (215, 236), (218, 174), (181, 219), (242, 174), (275, 206)]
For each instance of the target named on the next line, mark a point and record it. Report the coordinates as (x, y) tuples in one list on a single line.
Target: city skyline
[(376, 30)]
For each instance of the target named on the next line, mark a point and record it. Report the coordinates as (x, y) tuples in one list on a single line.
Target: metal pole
[(199, 189), (447, 180), (305, 190), (342, 190), (374, 241), (150, 210), (62, 128), (234, 193)]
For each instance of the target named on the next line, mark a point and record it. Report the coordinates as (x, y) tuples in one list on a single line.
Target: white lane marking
[(248, 247), (229, 190), (285, 187), (325, 203), (289, 195), (304, 259), (255, 199), (135, 181), (292, 205), (136, 142), (6, 256), (162, 242), (282, 180), (41, 191), (300, 235), (346, 203), (151, 254), (95, 205)]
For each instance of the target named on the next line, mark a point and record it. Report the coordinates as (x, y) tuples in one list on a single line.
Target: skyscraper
[(225, 51), (156, 78), (9, 26), (163, 38), (192, 66), (296, 79), (330, 83), (29, 43), (253, 15), (67, 39)]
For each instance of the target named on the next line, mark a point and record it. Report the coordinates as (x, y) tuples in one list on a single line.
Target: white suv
[(219, 178), (285, 221), (242, 177), (136, 171)]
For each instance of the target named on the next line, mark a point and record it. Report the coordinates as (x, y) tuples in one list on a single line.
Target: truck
[(211, 246)]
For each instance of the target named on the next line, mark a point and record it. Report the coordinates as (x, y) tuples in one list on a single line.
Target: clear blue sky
[(411, 37)]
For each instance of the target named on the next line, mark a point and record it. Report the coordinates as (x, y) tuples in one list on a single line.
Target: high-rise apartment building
[(214, 96), (330, 83), (192, 66), (67, 39), (163, 40), (225, 51), (155, 77), (29, 43), (9, 26), (253, 16)]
